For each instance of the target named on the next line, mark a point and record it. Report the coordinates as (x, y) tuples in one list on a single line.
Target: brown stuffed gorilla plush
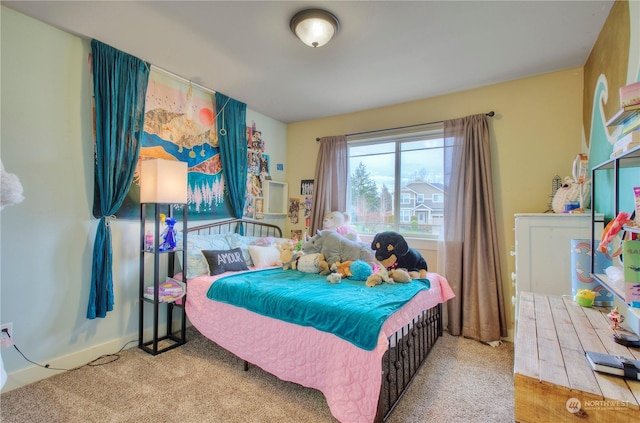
[(393, 252)]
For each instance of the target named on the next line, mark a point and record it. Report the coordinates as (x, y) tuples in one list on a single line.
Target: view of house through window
[(396, 183)]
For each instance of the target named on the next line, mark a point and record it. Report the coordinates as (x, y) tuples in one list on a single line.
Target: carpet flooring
[(462, 381)]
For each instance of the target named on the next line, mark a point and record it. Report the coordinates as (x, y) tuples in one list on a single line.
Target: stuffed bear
[(339, 222), (288, 256), (335, 248), (393, 252)]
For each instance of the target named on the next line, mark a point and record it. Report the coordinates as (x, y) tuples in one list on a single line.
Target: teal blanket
[(349, 310)]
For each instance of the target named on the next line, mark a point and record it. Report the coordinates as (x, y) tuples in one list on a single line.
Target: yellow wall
[(535, 135)]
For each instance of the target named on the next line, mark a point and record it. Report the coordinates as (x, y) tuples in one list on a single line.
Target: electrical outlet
[(6, 337)]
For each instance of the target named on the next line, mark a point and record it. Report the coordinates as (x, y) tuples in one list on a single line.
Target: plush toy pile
[(389, 259), (337, 248)]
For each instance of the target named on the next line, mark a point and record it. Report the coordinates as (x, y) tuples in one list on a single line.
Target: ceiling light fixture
[(314, 27)]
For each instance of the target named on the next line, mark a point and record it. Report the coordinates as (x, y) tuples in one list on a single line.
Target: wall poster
[(257, 173), (180, 124)]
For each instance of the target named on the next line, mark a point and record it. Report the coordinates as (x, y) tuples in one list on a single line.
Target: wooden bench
[(552, 379)]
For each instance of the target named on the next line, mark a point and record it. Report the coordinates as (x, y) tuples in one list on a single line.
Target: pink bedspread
[(349, 377)]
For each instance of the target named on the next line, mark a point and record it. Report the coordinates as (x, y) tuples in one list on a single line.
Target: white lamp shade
[(163, 181)]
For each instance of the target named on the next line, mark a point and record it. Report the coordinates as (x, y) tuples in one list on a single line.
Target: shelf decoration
[(628, 117)]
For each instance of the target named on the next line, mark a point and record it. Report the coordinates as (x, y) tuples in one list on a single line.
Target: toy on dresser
[(616, 318)]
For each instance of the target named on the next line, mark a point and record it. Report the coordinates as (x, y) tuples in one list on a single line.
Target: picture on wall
[(294, 210), (296, 235), (257, 172), (180, 124), (306, 187), (307, 212), (259, 208)]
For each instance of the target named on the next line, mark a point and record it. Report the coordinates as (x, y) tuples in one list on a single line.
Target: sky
[(418, 157)]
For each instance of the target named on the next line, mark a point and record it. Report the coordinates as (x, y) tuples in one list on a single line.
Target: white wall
[(46, 139), (274, 135)]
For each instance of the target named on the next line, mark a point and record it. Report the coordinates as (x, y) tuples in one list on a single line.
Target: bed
[(360, 385)]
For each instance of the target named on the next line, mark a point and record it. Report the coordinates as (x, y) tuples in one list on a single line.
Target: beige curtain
[(471, 255), (330, 184)]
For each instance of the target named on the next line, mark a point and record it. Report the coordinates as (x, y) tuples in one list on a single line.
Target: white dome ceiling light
[(314, 27)]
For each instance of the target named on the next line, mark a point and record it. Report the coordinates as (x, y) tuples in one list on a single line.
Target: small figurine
[(616, 318)]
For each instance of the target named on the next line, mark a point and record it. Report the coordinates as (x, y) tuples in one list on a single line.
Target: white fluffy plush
[(11, 189), (339, 221)]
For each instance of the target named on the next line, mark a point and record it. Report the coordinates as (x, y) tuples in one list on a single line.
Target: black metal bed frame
[(408, 347)]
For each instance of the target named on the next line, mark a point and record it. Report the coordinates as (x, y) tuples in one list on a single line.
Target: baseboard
[(34, 373)]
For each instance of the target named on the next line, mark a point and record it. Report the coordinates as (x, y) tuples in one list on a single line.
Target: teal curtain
[(119, 89), (232, 136)]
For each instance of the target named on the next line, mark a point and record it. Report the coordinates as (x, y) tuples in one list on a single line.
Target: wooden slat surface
[(550, 367), (612, 388), (526, 360), (578, 370)]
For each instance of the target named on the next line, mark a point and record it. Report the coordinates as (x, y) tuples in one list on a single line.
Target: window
[(396, 181), (405, 216)]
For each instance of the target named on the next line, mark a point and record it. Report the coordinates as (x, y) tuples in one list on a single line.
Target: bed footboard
[(408, 349)]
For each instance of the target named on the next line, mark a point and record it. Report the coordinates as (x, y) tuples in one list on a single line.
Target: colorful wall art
[(257, 173), (180, 124)]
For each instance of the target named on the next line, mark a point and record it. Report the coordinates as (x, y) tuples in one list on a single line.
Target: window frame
[(398, 136)]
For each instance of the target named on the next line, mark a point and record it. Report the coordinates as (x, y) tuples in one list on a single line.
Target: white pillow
[(264, 256)]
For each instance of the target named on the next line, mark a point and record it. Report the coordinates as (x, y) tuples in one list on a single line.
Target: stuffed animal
[(10, 188), (339, 222), (360, 270), (342, 268), (308, 263), (400, 275), (288, 256), (378, 277), (393, 252), (381, 275), (334, 278), (335, 248)]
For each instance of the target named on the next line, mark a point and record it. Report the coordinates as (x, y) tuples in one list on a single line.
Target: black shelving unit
[(628, 159), (171, 339)]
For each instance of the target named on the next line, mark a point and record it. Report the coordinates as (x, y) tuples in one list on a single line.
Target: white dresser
[(543, 251)]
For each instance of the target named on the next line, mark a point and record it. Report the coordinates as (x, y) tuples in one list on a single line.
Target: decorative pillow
[(196, 263), (242, 242), (264, 256), (221, 261)]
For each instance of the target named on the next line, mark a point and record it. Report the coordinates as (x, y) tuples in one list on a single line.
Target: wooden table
[(552, 378)]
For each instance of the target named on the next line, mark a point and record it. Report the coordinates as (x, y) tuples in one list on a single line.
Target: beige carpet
[(462, 381)]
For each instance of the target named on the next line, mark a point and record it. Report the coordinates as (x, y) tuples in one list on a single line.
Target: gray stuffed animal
[(336, 247)]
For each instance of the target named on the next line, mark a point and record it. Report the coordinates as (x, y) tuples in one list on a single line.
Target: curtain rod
[(490, 114), (173, 75)]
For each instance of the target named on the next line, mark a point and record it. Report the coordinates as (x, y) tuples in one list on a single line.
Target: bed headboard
[(250, 227)]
